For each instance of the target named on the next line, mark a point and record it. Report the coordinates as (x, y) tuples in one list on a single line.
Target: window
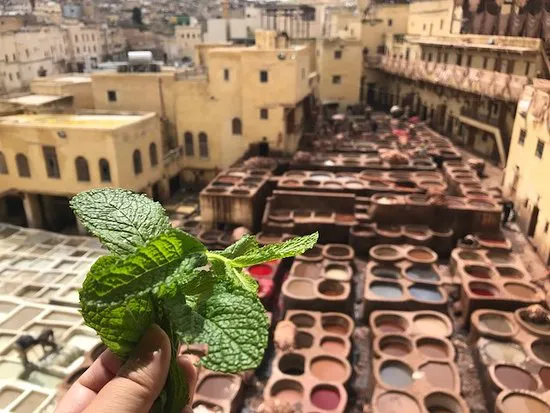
[(527, 68), (337, 54), (485, 62), (445, 57), (10, 76), (546, 227), (203, 145), (264, 114), (495, 109), (13, 55), (18, 75), (264, 76), (390, 22), (469, 61), (153, 154), (407, 53), (3, 164), (104, 170), (76, 38), (111, 95), (441, 25), (226, 75), (522, 136), (82, 170), (50, 158), (95, 49), (423, 57), (438, 57), (136, 157), (22, 164), (93, 37), (7, 58), (303, 73), (424, 27), (540, 149), (27, 53), (336, 79), (429, 57), (188, 142), (78, 49), (459, 59), (237, 126)]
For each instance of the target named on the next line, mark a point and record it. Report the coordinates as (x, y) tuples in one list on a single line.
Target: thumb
[(140, 380)]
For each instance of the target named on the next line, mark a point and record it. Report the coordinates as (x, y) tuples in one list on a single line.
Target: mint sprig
[(156, 274)]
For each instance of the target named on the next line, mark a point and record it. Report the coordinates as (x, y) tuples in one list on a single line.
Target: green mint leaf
[(290, 248), (121, 219), (229, 275), (232, 324), (246, 245), (150, 267)]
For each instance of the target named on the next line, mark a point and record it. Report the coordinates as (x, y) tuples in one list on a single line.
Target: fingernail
[(148, 350)]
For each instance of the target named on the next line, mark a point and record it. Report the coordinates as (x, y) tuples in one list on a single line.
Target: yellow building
[(245, 94), (85, 44), (78, 86), (186, 39), (49, 158), (526, 178)]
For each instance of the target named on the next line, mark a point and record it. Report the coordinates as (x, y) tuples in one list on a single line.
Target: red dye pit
[(261, 270), (326, 398)]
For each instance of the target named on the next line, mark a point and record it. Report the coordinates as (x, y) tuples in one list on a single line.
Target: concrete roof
[(35, 100), (85, 121)]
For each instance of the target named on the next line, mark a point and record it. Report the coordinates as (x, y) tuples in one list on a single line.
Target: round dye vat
[(469, 256), (302, 320), (478, 271), (391, 324), (333, 345), (439, 375), (544, 375), (517, 402), (287, 391), (432, 348), (483, 289), (422, 273), (496, 322), (499, 257), (303, 340), (431, 325), (541, 349), (384, 252), (337, 272), (426, 293), (500, 352), (510, 272), (520, 291), (395, 346), (386, 290), (292, 364), (217, 387), (307, 270), (331, 288), (419, 254), (515, 378), (390, 272), (541, 326), (393, 402), (335, 325), (261, 270), (328, 369), (300, 288), (442, 403), (396, 374), (325, 397)]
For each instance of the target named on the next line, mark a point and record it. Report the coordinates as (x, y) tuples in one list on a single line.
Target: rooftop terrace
[(84, 121)]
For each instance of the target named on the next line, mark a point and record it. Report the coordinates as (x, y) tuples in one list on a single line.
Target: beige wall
[(349, 67), (80, 91), (116, 144), (85, 42), (186, 38), (532, 188), (430, 18)]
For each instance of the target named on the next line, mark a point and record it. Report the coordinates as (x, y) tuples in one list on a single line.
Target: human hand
[(110, 385)]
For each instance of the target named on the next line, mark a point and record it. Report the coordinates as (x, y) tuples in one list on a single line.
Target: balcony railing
[(372, 62), (496, 85)]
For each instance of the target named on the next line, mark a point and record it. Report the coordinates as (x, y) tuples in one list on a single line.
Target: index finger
[(85, 389)]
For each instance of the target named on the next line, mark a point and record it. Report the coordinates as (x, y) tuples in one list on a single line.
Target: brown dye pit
[(432, 348), (520, 291), (496, 323), (314, 253), (515, 378), (544, 375), (469, 256), (391, 324), (328, 369), (302, 320), (303, 340), (541, 349), (393, 402), (333, 345), (287, 391), (346, 218), (337, 251), (331, 288), (385, 252), (307, 270), (478, 271), (395, 346), (335, 325), (517, 402), (419, 254), (292, 364), (510, 272), (439, 375), (499, 257), (431, 325), (442, 403)]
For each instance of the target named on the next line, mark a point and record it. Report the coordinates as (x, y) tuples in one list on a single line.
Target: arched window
[(82, 170), (3, 164), (138, 167), (203, 145), (153, 154), (188, 142), (22, 166), (104, 170), (237, 126)]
